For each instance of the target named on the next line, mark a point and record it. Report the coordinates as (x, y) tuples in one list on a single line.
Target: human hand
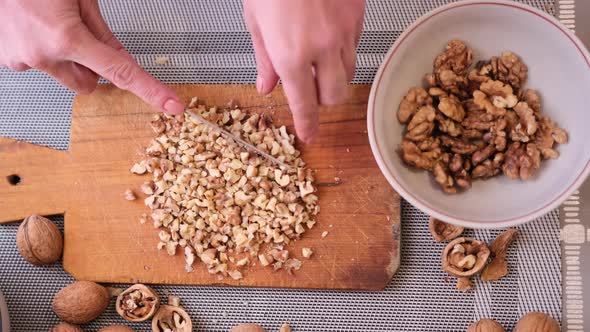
[(311, 46), (69, 40)]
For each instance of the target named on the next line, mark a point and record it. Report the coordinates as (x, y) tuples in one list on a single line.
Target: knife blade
[(238, 140)]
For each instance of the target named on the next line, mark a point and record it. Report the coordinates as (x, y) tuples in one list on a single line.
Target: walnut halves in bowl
[(137, 303), (464, 257)]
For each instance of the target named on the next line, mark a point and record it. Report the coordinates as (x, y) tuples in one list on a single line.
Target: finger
[(125, 73), (267, 77), (92, 17), (18, 66), (300, 88), (73, 76), (331, 79), (349, 61)]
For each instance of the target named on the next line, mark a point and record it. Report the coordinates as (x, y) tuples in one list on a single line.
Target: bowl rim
[(416, 201)]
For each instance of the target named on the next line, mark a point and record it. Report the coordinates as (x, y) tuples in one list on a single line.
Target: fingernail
[(172, 106), (259, 84)]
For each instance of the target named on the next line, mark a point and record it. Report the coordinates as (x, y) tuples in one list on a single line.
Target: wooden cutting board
[(105, 242)]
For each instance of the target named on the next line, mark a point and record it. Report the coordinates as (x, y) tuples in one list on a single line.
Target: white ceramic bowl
[(559, 68)]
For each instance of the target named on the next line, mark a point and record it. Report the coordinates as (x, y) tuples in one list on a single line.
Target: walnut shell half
[(441, 231), (536, 321), (486, 325), (81, 302), (464, 257), (247, 328), (138, 303), (171, 318), (498, 267), (39, 241)]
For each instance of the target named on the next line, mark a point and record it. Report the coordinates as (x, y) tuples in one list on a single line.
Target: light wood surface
[(104, 241)]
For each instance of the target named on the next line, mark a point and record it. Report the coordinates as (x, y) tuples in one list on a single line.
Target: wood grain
[(104, 241)]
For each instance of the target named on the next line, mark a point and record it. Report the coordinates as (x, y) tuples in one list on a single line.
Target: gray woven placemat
[(206, 42)]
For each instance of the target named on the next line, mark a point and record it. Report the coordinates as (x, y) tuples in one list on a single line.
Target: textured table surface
[(206, 42)]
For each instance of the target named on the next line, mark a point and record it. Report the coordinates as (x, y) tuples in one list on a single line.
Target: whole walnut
[(81, 302), (486, 325), (536, 322), (116, 328), (247, 328), (65, 327), (39, 240)]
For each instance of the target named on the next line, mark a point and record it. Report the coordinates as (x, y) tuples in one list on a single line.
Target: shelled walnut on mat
[(471, 123), (221, 203)]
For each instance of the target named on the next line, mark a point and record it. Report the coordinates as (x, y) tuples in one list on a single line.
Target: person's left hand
[(69, 40)]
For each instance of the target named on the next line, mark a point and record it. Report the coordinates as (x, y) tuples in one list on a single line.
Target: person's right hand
[(311, 46), (69, 40)]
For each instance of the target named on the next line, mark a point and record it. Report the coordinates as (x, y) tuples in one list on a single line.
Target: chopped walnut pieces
[(414, 100), (129, 195), (139, 168), (465, 123), (306, 252), (220, 203), (464, 284)]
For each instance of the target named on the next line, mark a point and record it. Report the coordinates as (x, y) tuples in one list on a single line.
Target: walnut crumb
[(306, 252), (162, 60), (129, 195), (324, 234)]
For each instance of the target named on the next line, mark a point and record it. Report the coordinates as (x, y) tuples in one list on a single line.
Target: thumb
[(122, 70)]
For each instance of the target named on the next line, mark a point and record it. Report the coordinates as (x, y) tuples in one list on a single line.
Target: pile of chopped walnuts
[(475, 123), (221, 203)]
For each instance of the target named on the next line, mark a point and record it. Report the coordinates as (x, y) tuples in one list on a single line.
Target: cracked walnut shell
[(498, 267), (137, 303), (171, 319), (464, 257), (441, 231)]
